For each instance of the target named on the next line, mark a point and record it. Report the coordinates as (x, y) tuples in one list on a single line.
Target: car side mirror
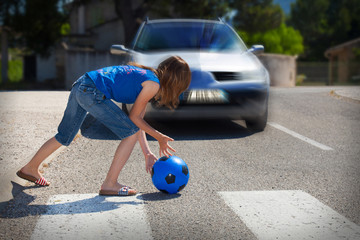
[(256, 49), (119, 49)]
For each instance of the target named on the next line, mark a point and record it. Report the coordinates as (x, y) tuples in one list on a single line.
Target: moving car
[(228, 80)]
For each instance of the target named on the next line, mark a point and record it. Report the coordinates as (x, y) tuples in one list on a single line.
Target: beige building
[(94, 26), (344, 62)]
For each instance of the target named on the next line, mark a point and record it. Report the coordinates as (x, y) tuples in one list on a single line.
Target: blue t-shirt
[(122, 83)]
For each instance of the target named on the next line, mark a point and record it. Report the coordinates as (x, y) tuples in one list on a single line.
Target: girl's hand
[(164, 146), (150, 159)]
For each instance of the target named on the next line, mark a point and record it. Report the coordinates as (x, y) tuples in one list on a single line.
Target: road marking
[(90, 216), (289, 215), (301, 137)]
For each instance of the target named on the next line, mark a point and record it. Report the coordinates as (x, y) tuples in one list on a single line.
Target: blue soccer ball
[(170, 174)]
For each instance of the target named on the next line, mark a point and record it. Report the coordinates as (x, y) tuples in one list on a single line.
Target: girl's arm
[(150, 158), (148, 92)]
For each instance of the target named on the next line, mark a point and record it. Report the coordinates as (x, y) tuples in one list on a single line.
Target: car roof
[(148, 21)]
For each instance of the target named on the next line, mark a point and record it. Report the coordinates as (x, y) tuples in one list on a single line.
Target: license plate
[(205, 96)]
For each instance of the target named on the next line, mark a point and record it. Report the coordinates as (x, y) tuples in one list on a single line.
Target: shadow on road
[(21, 205), (177, 129), (158, 196)]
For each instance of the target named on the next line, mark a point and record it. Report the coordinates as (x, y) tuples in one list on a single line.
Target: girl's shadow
[(21, 205), (177, 129)]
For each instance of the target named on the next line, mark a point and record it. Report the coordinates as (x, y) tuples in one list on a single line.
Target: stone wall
[(282, 69)]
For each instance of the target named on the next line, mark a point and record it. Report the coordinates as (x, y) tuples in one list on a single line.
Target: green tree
[(263, 22), (256, 15), (206, 9), (35, 24), (132, 17), (325, 23), (344, 18)]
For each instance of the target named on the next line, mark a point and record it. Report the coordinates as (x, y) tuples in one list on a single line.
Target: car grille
[(226, 76)]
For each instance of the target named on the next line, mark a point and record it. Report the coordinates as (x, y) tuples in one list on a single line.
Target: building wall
[(344, 62), (45, 68), (78, 63), (92, 14), (98, 13), (108, 34)]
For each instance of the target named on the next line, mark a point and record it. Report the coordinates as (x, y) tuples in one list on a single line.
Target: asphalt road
[(223, 156)]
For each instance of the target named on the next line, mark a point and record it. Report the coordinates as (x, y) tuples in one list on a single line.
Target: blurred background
[(45, 43)]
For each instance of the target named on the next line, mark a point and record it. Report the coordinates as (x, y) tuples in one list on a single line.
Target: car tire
[(257, 124)]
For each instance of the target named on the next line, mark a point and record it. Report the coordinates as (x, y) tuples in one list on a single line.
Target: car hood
[(204, 61)]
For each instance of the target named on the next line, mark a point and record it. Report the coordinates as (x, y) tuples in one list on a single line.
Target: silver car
[(228, 80)]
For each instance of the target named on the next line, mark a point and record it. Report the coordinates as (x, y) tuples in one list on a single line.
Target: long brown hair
[(174, 75)]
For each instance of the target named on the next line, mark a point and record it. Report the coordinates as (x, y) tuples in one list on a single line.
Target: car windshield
[(207, 36)]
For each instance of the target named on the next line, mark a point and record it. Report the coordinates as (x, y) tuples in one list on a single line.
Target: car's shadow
[(177, 129)]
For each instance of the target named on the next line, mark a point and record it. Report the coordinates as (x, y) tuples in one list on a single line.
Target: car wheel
[(257, 124)]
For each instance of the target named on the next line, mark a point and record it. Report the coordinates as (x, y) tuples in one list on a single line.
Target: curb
[(346, 96)]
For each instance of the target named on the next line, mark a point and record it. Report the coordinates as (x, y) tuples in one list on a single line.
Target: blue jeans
[(86, 98)]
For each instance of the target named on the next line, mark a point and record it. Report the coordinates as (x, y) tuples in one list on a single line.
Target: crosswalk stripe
[(268, 214), (90, 216), (289, 215)]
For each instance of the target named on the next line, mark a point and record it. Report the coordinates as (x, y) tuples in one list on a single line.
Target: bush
[(282, 40), (300, 79), (15, 70)]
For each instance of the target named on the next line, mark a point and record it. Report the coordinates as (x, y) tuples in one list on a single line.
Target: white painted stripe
[(90, 216), (301, 137), (289, 215)]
